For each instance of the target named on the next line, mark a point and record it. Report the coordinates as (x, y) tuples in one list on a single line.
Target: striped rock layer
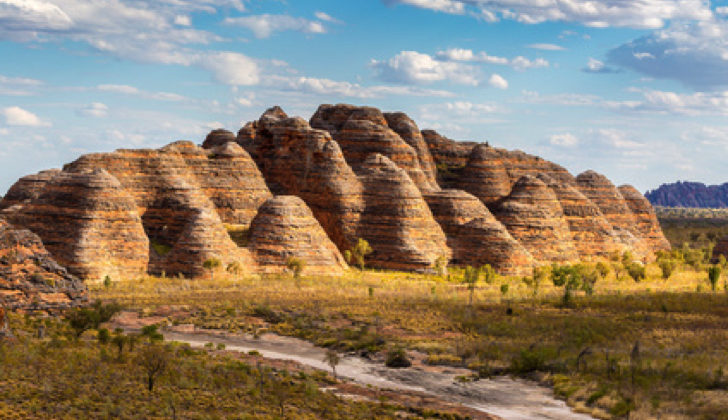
[(285, 188)]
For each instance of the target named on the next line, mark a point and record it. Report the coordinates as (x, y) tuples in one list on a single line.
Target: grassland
[(696, 227), (645, 349)]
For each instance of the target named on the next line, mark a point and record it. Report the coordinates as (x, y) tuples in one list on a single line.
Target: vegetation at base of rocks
[(211, 265), (583, 349), (357, 255), (160, 248), (296, 266), (63, 378)]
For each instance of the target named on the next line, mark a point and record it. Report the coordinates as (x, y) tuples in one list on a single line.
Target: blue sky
[(637, 90)]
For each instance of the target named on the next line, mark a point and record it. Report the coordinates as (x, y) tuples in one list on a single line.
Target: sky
[(634, 89)]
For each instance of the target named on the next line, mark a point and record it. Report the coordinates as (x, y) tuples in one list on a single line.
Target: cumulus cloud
[(644, 14), (447, 6), (263, 26), (94, 110), (694, 53), (231, 68), (16, 116), (412, 67), (327, 17), (597, 66), (497, 81), (465, 55), (563, 140)]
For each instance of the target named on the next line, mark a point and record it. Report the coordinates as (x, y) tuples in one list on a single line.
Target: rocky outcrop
[(27, 189), (355, 173), (533, 215), (484, 175), (689, 194), (397, 221), (217, 138), (646, 220), (475, 236), (285, 228), (373, 199), (362, 131), (90, 225), (592, 234), (30, 279)]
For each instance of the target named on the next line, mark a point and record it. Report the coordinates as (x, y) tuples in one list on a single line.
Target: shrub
[(667, 267), (103, 336), (296, 265), (153, 359), (83, 319), (636, 271), (714, 276), (211, 264), (397, 358), (358, 254)]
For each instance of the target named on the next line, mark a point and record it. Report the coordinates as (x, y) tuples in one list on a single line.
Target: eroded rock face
[(90, 225), (475, 236), (285, 228), (362, 131), (358, 173), (592, 234), (30, 278), (397, 220), (375, 200), (647, 225), (217, 138), (484, 175), (27, 188), (533, 215)]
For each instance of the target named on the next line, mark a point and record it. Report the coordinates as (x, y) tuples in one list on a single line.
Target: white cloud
[(231, 68), (665, 102), (182, 20), (131, 90), (95, 110), (18, 86), (546, 47), (327, 87), (327, 17), (694, 53), (263, 26), (16, 116), (563, 140), (568, 99), (447, 6), (464, 55), (414, 67), (498, 81), (597, 66), (644, 14), (721, 10)]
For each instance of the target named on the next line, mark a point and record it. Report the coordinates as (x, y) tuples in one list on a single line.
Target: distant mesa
[(689, 194), (284, 187)]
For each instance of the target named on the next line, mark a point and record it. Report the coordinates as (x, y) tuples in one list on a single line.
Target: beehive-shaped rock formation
[(356, 173), (534, 217), (475, 236), (647, 225), (285, 228), (90, 225), (30, 278)]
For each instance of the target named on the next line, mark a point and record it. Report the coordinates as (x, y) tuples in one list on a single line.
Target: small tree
[(358, 254), (636, 271), (565, 276), (489, 274), (83, 319), (119, 339), (667, 267), (440, 265), (603, 269), (296, 265), (211, 264), (471, 277), (540, 274), (713, 276), (234, 268), (153, 359), (107, 282), (332, 359)]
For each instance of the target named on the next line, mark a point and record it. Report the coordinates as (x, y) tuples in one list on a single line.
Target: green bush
[(397, 358)]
